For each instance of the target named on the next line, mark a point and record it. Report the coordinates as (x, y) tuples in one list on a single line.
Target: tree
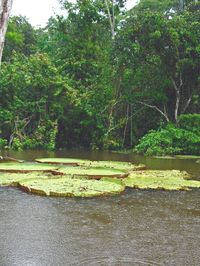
[(113, 8), (166, 6), (164, 52), (81, 45), (32, 94), (21, 37), (5, 8)]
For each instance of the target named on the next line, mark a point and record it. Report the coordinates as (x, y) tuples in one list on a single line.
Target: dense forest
[(103, 77)]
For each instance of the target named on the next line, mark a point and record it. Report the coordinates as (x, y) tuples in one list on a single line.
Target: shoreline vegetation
[(102, 77), (68, 177), (169, 141)]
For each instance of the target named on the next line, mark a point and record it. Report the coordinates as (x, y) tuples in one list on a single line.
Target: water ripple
[(111, 261)]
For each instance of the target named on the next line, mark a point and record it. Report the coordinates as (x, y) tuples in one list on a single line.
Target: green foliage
[(157, 5), (43, 138), (169, 141), (3, 143), (17, 145), (166, 61), (190, 122), (111, 143), (31, 89), (20, 37), (74, 84)]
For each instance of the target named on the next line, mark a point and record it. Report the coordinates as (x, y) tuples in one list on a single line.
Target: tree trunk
[(181, 4), (176, 111), (111, 17), (5, 8)]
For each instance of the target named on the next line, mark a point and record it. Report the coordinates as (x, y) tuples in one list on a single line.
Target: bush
[(190, 122), (111, 144), (30, 144), (3, 143), (17, 144), (169, 141), (43, 138)]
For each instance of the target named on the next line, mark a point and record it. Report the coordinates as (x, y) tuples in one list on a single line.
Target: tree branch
[(156, 108), (186, 105), (178, 96)]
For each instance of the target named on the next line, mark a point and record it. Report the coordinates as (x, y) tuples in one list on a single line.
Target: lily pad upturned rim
[(60, 161), (13, 179), (161, 180), (189, 157), (89, 172), (67, 186), (167, 157), (92, 173), (126, 166), (178, 156), (27, 168)]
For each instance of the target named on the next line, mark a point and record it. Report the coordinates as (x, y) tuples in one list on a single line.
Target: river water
[(137, 228)]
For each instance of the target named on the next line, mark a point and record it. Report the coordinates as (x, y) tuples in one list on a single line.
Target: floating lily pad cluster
[(155, 179), (184, 157), (66, 177), (87, 163)]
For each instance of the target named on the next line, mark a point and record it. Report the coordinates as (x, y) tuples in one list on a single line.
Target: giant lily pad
[(95, 173), (167, 180), (191, 157), (13, 179), (26, 167), (65, 161), (123, 166), (71, 187), (87, 163), (63, 181), (10, 159), (164, 157)]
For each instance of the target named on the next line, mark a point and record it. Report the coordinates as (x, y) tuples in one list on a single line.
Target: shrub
[(43, 138), (190, 122), (168, 141), (3, 143), (17, 144)]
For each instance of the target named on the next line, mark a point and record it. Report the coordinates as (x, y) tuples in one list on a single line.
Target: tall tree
[(21, 37), (5, 8), (165, 59)]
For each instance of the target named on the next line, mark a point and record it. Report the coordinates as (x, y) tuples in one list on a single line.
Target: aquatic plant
[(95, 173), (13, 179), (71, 187), (187, 157), (155, 179), (127, 166), (69, 181), (26, 167)]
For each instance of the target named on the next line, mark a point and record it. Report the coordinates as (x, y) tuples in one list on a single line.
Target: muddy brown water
[(136, 228)]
